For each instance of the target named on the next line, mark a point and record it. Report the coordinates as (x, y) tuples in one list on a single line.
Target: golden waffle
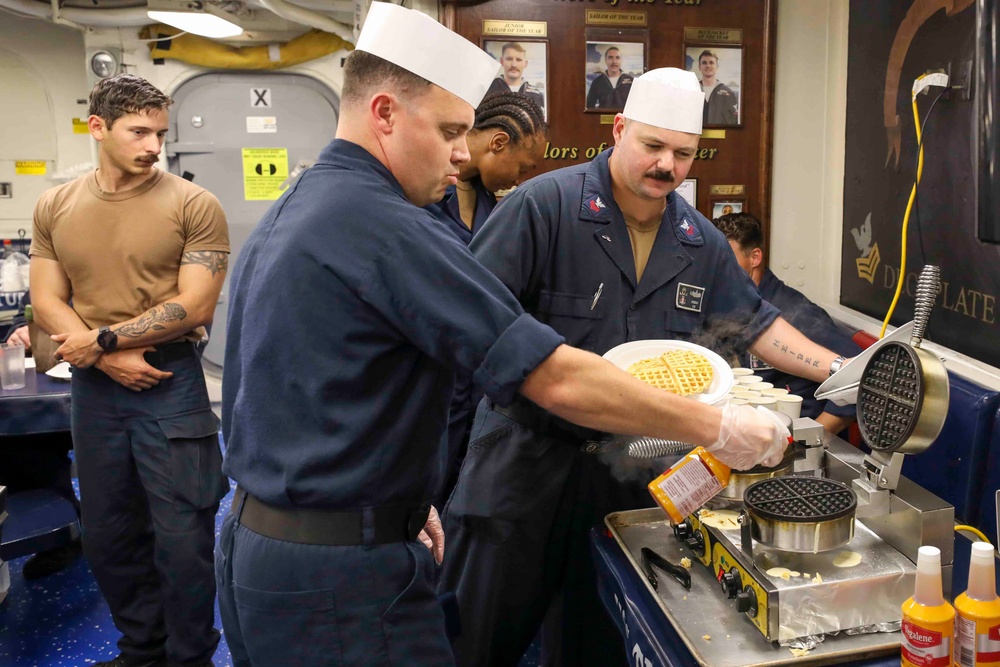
[(680, 372)]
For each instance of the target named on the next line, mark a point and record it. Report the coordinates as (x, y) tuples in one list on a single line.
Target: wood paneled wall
[(743, 157)]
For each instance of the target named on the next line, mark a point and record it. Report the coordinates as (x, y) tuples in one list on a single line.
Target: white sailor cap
[(419, 44), (667, 97)]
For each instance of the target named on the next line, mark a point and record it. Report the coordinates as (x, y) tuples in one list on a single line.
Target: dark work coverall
[(351, 311), (528, 493)]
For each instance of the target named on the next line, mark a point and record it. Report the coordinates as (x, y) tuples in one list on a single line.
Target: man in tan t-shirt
[(143, 254)]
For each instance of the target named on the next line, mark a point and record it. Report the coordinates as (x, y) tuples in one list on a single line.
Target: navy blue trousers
[(302, 605), (150, 472)]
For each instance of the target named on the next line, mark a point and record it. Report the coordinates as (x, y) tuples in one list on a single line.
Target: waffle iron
[(801, 514), (903, 395)]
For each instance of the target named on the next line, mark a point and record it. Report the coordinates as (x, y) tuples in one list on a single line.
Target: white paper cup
[(761, 386), (740, 372), (737, 401), (775, 391), (748, 379), (762, 402), (790, 405), (746, 395)]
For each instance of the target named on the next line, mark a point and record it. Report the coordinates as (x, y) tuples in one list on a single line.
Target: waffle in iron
[(681, 372)]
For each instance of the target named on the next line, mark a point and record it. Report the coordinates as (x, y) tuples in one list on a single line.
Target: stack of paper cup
[(750, 389)]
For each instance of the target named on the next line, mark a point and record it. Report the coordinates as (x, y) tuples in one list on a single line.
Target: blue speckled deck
[(62, 620)]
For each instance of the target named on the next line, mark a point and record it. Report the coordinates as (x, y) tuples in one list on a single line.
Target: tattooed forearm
[(153, 319), (794, 355), (213, 261)]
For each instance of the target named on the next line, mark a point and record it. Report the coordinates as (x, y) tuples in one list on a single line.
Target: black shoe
[(125, 660), (49, 562)]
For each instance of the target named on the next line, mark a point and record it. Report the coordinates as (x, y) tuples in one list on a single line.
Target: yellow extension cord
[(906, 222), (972, 529)]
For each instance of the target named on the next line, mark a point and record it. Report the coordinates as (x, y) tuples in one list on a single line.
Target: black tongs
[(651, 558)]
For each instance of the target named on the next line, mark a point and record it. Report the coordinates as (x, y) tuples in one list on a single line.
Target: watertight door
[(240, 135)]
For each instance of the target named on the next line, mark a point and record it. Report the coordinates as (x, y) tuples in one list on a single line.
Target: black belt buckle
[(417, 521)]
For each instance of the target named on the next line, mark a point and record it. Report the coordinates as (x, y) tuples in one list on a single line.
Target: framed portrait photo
[(688, 189), (525, 68), (613, 58), (720, 71), (725, 206)]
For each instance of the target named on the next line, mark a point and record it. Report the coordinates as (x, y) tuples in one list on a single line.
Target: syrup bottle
[(928, 620), (977, 613)]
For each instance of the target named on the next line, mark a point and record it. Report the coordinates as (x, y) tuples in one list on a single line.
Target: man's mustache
[(664, 175)]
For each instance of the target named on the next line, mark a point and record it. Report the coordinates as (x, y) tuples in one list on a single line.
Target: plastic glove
[(432, 535), (749, 437)]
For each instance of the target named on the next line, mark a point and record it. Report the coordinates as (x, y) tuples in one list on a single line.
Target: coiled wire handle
[(928, 286), (652, 448)]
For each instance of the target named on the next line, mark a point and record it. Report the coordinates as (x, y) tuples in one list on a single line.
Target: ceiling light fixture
[(194, 16)]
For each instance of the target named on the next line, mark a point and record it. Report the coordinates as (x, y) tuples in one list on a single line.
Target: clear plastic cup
[(12, 365)]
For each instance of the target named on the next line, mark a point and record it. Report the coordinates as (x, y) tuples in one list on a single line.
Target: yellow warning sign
[(80, 126), (29, 167), (264, 170)]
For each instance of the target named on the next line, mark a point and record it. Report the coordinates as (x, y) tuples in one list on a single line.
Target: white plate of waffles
[(708, 383)]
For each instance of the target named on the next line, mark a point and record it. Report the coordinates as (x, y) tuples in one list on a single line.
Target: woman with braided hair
[(506, 142)]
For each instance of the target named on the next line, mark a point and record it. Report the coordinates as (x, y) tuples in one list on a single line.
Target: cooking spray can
[(977, 613), (689, 483), (928, 619)]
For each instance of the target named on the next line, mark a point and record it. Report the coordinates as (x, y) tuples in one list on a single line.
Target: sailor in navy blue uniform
[(604, 253), (351, 310), (746, 237), (506, 142)]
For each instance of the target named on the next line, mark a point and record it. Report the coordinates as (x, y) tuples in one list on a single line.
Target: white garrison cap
[(667, 97), (419, 44)]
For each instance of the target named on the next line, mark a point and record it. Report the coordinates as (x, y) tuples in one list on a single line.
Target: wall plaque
[(727, 190), (520, 28), (606, 17), (608, 119), (714, 35)]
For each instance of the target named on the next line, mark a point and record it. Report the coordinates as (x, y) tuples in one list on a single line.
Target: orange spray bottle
[(977, 619), (928, 619)]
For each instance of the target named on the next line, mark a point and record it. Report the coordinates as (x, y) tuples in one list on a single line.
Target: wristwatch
[(836, 364), (107, 339)]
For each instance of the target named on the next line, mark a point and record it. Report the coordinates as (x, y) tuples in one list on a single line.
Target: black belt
[(384, 524), (545, 423), (170, 352)]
